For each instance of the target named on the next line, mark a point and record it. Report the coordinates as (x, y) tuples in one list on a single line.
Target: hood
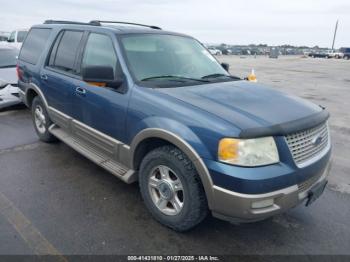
[(9, 75), (255, 109)]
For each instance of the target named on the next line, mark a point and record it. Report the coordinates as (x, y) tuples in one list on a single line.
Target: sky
[(273, 22)]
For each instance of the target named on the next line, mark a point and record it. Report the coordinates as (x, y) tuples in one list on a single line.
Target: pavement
[(55, 201)]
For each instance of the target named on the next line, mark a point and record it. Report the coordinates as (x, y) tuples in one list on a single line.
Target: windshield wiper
[(173, 76), (219, 75)]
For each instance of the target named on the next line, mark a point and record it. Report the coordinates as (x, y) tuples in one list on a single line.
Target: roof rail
[(70, 22), (125, 23)]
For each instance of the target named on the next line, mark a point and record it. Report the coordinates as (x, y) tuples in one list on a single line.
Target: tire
[(172, 161), (41, 121)]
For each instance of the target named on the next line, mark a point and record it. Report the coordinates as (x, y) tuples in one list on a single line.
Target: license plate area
[(315, 192)]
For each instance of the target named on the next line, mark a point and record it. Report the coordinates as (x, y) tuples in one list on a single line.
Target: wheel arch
[(33, 91), (155, 137)]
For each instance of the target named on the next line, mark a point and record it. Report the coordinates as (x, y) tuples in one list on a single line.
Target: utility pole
[(335, 33)]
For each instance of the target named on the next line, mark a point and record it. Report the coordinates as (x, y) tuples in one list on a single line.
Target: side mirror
[(226, 66), (101, 74)]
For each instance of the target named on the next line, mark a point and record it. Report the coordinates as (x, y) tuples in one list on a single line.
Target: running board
[(117, 169)]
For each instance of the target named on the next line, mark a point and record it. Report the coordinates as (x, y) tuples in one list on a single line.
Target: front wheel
[(172, 189)]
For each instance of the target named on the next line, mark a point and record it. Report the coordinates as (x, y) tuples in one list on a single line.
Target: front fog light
[(248, 152), (263, 203)]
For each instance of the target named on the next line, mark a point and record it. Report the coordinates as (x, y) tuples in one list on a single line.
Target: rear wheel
[(41, 121), (172, 189)]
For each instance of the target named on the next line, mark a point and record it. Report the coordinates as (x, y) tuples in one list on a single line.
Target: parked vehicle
[(17, 37), (4, 36), (338, 54), (156, 107), (346, 52), (274, 52), (8, 78), (214, 51), (318, 54), (226, 51)]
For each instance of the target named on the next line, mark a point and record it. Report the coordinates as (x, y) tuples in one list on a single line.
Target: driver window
[(99, 51)]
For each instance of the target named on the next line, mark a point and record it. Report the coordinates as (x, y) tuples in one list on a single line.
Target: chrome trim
[(107, 144), (286, 190), (318, 156)]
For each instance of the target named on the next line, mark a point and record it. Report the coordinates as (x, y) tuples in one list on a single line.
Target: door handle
[(43, 77), (80, 91)]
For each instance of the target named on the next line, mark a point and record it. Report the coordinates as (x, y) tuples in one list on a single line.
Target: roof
[(127, 28)]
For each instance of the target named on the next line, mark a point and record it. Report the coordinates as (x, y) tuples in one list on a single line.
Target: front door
[(101, 108)]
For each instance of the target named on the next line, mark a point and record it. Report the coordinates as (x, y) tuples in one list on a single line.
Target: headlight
[(248, 152)]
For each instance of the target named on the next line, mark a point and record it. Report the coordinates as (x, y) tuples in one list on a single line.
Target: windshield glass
[(8, 58), (158, 57)]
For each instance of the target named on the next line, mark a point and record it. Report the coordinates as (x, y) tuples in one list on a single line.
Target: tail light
[(19, 72)]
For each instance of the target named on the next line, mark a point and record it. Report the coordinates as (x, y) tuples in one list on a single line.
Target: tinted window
[(34, 45), (8, 57), (12, 37), (21, 35), (99, 51), (67, 51)]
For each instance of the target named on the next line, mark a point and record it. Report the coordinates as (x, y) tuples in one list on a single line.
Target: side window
[(65, 51), (21, 35), (99, 51), (34, 45), (12, 37)]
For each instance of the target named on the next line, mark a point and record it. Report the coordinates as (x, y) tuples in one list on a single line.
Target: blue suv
[(156, 107)]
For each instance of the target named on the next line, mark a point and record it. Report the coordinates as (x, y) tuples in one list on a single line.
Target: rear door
[(101, 108), (60, 76)]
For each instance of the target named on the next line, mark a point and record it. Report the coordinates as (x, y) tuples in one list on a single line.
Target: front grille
[(308, 144)]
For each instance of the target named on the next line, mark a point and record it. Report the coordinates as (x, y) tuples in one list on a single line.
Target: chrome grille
[(308, 144)]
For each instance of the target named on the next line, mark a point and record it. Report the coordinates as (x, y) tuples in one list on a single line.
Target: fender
[(185, 147), (38, 91)]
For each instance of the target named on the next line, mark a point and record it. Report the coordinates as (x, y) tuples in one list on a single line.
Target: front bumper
[(238, 207)]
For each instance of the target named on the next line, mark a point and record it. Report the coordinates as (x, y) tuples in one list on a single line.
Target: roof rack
[(70, 22), (124, 23)]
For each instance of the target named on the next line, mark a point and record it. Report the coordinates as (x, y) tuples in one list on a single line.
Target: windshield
[(8, 58), (158, 57)]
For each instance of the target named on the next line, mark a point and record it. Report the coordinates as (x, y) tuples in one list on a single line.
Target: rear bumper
[(238, 207)]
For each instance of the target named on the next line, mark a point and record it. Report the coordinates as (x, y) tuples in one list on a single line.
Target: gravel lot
[(53, 200)]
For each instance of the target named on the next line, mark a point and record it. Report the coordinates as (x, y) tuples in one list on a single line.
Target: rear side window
[(34, 45), (65, 51)]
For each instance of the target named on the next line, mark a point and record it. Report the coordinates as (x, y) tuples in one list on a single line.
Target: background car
[(4, 36), (17, 37), (319, 53), (346, 52), (9, 95), (214, 51)]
